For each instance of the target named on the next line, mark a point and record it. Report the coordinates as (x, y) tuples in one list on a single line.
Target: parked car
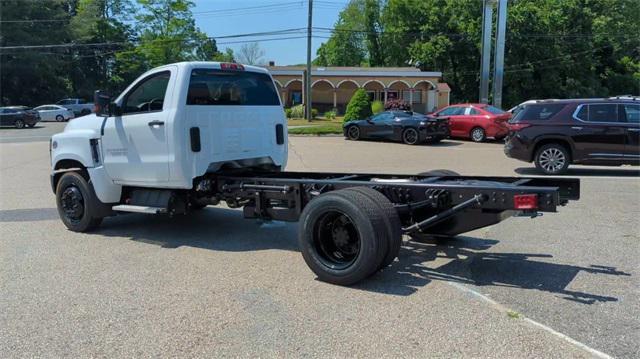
[(556, 133), (18, 116), (405, 126), (476, 121), (54, 113), (79, 106)]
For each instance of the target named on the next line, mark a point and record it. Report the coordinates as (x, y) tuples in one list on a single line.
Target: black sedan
[(405, 126), (18, 116)]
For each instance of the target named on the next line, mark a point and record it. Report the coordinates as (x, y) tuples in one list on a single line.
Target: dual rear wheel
[(347, 235)]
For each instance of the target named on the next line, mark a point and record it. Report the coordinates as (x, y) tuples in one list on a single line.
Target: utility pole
[(485, 62), (498, 65), (307, 80)]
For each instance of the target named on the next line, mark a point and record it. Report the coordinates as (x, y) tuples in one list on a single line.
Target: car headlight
[(422, 123)]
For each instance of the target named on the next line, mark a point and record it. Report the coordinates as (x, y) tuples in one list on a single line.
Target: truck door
[(597, 134), (135, 143), (631, 118)]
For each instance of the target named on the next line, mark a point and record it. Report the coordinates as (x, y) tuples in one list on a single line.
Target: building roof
[(353, 71)]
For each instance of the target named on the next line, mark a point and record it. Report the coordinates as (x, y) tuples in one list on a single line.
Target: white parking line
[(504, 309)]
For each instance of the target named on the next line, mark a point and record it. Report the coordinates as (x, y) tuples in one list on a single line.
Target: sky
[(223, 17)]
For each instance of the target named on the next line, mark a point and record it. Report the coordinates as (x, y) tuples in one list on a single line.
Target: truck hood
[(88, 122)]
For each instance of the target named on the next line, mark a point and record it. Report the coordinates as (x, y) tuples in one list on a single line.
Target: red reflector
[(231, 66), (517, 126), (525, 201)]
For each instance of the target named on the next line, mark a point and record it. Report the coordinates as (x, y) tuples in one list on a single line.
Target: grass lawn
[(324, 129), (317, 121)]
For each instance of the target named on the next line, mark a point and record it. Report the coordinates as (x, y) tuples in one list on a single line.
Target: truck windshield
[(209, 87)]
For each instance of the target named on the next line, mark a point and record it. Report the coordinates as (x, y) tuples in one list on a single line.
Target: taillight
[(231, 66), (525, 201), (518, 126)]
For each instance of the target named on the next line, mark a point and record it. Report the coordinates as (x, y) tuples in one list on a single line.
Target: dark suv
[(556, 133)]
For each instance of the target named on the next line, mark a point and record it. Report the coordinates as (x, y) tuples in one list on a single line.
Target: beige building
[(332, 87)]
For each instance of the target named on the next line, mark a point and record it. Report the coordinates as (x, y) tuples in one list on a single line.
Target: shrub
[(397, 105), (359, 106), (287, 112), (297, 111), (330, 115), (377, 107), (314, 113)]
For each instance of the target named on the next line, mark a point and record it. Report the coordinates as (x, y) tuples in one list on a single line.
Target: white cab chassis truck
[(192, 134)]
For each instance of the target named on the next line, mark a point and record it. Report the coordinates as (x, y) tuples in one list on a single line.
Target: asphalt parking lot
[(214, 284)]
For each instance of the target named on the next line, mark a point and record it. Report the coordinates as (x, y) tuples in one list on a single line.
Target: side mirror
[(102, 104)]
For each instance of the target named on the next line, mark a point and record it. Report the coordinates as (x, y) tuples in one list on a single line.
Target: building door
[(432, 101)]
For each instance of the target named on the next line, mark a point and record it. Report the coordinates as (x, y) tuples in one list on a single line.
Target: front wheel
[(19, 123), (478, 134), (76, 203), (353, 133), (60, 118), (552, 159), (410, 136)]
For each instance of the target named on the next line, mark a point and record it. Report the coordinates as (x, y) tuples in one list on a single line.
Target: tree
[(373, 28), (226, 56), (346, 46), (250, 54), (359, 106)]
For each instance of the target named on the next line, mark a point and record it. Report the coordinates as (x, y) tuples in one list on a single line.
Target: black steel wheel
[(478, 134), (76, 203), (60, 118), (410, 136), (353, 133), (19, 123), (343, 236), (552, 159)]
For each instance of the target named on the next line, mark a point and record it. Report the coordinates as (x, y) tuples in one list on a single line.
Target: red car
[(476, 121)]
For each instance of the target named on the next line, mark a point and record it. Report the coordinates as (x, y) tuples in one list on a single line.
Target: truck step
[(139, 209)]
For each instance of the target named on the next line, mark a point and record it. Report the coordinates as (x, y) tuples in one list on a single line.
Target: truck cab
[(176, 123)]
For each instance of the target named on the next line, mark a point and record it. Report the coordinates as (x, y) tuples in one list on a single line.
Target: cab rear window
[(537, 112), (210, 87)]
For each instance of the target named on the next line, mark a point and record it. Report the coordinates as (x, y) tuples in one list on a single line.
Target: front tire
[(77, 203), (353, 133), (343, 236), (410, 136), (19, 124), (60, 118), (552, 159), (478, 135)]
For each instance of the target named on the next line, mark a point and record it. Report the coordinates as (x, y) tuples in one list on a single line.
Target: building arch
[(433, 86), (278, 83), (400, 81), (322, 80), (374, 81), (292, 81), (347, 80)]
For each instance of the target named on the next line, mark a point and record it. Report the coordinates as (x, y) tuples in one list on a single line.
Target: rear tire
[(392, 222), (552, 159), (343, 236), (477, 134), (77, 203), (410, 136)]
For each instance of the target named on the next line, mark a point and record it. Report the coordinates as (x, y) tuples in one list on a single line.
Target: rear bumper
[(427, 133), (516, 149)]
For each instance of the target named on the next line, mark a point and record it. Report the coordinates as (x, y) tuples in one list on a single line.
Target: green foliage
[(314, 113), (359, 106), (287, 112), (555, 48), (330, 115), (297, 111), (377, 107), (317, 130)]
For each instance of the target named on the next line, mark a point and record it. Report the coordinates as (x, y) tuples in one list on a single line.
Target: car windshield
[(536, 112), (493, 110), (210, 87)]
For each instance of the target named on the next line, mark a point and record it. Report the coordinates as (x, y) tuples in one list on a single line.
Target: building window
[(417, 96), (391, 95), (372, 95), (296, 97)]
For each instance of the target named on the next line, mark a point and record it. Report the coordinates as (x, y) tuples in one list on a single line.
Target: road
[(214, 284)]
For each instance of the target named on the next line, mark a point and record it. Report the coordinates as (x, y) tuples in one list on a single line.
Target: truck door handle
[(156, 123), (576, 128)]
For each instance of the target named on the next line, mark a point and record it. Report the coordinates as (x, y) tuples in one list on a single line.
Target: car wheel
[(60, 118), (19, 123), (478, 134), (76, 203), (353, 133), (410, 136), (552, 159)]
